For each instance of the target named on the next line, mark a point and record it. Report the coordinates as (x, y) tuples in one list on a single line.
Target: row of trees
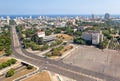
[(107, 33), (8, 63), (79, 41), (48, 32), (57, 42), (5, 40), (67, 30), (34, 46), (11, 72), (30, 32)]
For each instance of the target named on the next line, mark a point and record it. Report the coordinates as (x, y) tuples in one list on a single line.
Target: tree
[(78, 33), (48, 32), (36, 39), (45, 47), (79, 41), (103, 44), (10, 73), (106, 32), (109, 37), (29, 67), (69, 31), (8, 52), (57, 31), (35, 47), (13, 61), (1, 66), (4, 64), (1, 48), (8, 63)]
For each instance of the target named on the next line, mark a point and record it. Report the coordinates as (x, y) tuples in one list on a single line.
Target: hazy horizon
[(56, 7)]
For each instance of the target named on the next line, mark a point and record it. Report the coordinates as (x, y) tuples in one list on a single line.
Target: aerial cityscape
[(65, 40)]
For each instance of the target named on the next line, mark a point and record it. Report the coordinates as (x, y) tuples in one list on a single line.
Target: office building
[(8, 20), (93, 16), (107, 16), (41, 34), (94, 36)]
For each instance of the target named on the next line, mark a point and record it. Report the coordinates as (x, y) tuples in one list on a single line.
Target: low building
[(94, 36), (82, 28), (49, 38), (41, 34), (44, 38)]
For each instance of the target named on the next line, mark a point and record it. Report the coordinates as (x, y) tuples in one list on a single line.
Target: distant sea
[(53, 16)]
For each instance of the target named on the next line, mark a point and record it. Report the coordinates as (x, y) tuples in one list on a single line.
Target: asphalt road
[(59, 67)]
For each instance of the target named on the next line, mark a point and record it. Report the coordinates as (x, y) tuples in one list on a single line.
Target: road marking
[(55, 65), (82, 74)]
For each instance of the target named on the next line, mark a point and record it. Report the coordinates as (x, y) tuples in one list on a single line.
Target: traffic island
[(60, 52)]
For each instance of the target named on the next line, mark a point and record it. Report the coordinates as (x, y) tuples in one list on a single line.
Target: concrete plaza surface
[(106, 61)]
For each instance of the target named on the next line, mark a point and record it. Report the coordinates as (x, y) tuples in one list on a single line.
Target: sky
[(10, 7)]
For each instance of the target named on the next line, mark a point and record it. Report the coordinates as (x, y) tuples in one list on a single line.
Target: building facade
[(94, 36), (41, 34), (107, 16)]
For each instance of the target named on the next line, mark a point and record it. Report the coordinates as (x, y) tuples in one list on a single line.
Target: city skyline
[(24, 7)]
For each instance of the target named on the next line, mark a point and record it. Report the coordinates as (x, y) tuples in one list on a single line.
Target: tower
[(107, 16), (93, 16), (8, 20)]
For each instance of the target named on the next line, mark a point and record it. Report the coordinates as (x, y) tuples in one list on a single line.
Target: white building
[(8, 20), (94, 36), (41, 34), (30, 17), (82, 28)]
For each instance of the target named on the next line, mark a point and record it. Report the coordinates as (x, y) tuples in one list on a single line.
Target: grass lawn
[(21, 73), (43, 76), (65, 37)]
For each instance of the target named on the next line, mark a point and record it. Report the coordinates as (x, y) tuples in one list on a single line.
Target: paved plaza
[(104, 61)]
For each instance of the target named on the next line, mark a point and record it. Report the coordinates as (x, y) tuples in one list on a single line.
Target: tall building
[(30, 17), (8, 20), (94, 36), (93, 16), (107, 16)]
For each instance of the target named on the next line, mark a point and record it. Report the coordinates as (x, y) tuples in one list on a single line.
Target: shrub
[(10, 73), (13, 61), (56, 53), (8, 52), (45, 47), (4, 64), (1, 66), (29, 67)]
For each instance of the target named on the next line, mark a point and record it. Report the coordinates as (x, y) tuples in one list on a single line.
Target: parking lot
[(104, 61)]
